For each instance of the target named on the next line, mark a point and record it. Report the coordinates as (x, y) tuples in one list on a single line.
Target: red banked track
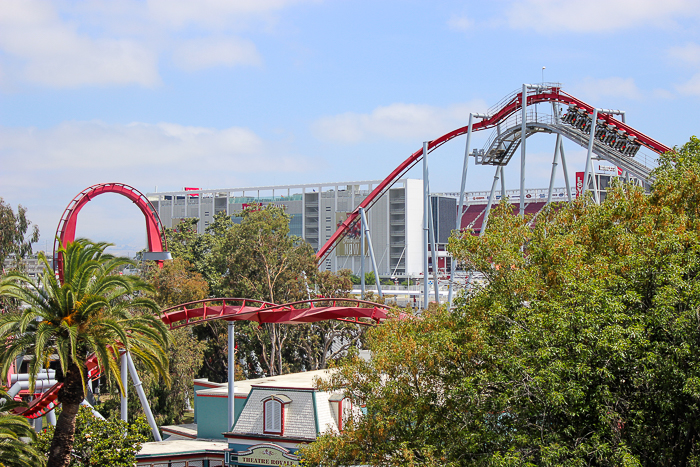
[(65, 233), (547, 94), (238, 309), (47, 401), (306, 311)]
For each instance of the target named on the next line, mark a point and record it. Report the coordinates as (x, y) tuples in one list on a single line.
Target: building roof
[(180, 446), (303, 380), (299, 414), (264, 188)]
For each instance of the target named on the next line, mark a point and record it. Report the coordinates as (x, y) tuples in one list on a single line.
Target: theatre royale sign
[(262, 454)]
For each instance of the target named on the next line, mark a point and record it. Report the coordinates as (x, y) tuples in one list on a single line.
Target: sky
[(163, 94)]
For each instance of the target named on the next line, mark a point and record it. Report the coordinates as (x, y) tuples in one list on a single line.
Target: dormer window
[(341, 409), (273, 414)]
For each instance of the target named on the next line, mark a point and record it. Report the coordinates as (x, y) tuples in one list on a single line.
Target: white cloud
[(690, 87), (139, 146), (460, 23), (50, 51), (207, 52), (396, 121), (213, 13), (548, 16), (688, 54), (101, 42), (595, 89), (661, 93), (44, 169)]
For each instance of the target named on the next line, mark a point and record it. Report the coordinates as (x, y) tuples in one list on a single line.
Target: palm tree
[(15, 452), (91, 312)]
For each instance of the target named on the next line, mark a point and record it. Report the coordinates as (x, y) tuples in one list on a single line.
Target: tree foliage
[(580, 349), (259, 259), (200, 250), (13, 232), (14, 242), (17, 437), (324, 341), (262, 261), (89, 313), (98, 442), (177, 282)]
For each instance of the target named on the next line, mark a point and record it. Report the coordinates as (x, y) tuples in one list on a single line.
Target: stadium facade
[(395, 220), (315, 211)]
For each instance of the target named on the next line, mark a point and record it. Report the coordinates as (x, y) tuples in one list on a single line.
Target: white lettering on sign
[(268, 454), (579, 184)]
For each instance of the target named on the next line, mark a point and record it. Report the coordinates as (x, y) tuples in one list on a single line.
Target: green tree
[(580, 349), (314, 341), (286, 272), (89, 313), (176, 283), (262, 261), (200, 250), (14, 241), (13, 232), (98, 442), (200, 257), (14, 452)]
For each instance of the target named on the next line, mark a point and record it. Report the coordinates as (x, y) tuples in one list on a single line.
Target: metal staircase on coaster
[(615, 141), (610, 143)]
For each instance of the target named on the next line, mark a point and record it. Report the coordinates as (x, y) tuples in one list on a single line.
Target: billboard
[(609, 169), (579, 184), (350, 245)]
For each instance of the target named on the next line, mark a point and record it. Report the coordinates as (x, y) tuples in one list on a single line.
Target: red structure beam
[(65, 232), (548, 94)]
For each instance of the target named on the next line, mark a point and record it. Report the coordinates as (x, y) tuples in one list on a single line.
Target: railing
[(494, 109), (532, 116), (546, 118)]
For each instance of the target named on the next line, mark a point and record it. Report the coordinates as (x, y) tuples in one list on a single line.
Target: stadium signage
[(350, 245), (609, 169), (579, 184)]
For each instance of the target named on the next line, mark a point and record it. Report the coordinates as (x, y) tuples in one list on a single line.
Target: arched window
[(273, 414)]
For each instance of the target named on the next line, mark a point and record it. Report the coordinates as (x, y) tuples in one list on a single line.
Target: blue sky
[(226, 93)]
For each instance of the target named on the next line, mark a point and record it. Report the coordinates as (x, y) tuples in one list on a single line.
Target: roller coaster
[(187, 314), (513, 120), (235, 309)]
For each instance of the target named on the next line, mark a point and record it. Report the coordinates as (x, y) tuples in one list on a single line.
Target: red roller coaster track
[(238, 309), (306, 311), (65, 233), (509, 106)]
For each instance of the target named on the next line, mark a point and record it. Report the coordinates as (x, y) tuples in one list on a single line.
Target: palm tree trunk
[(70, 397)]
